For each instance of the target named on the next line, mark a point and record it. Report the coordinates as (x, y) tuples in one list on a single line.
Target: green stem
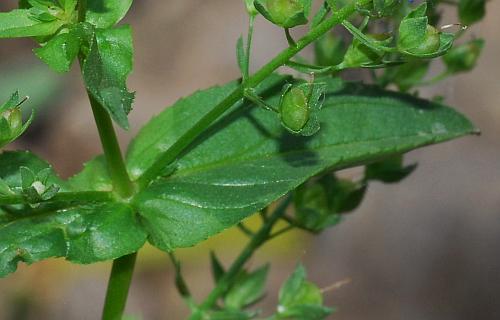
[(281, 59), (440, 77), (289, 38), (82, 10), (243, 228), (118, 287), (257, 240), (114, 159), (248, 52)]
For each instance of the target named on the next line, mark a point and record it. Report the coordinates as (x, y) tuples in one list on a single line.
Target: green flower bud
[(11, 121), (37, 186), (294, 110), (418, 39), (284, 13), (463, 58)]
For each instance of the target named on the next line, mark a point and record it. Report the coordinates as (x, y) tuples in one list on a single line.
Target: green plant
[(264, 143)]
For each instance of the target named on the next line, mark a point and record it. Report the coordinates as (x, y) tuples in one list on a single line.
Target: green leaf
[(106, 13), (68, 5), (471, 11), (84, 234), (247, 160), (106, 69), (246, 289), (11, 162), (20, 23), (93, 177), (165, 129), (88, 233), (418, 12), (412, 32), (60, 52)]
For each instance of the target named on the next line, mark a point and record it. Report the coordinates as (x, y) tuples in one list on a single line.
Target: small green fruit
[(294, 110), (284, 13), (11, 120), (430, 44), (463, 58), (281, 10)]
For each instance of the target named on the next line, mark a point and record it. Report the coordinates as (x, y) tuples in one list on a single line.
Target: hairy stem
[(281, 59), (257, 240), (118, 287)]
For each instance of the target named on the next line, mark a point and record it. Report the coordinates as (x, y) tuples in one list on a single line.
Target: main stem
[(123, 268), (281, 59), (118, 287)]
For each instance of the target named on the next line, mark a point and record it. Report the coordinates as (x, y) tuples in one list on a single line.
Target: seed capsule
[(281, 10), (284, 13), (430, 44), (294, 110)]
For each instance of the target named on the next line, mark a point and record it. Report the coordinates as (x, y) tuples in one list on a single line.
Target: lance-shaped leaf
[(247, 160), (81, 233), (106, 69), (21, 23)]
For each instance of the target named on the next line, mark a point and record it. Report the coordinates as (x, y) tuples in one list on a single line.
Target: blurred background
[(427, 248)]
